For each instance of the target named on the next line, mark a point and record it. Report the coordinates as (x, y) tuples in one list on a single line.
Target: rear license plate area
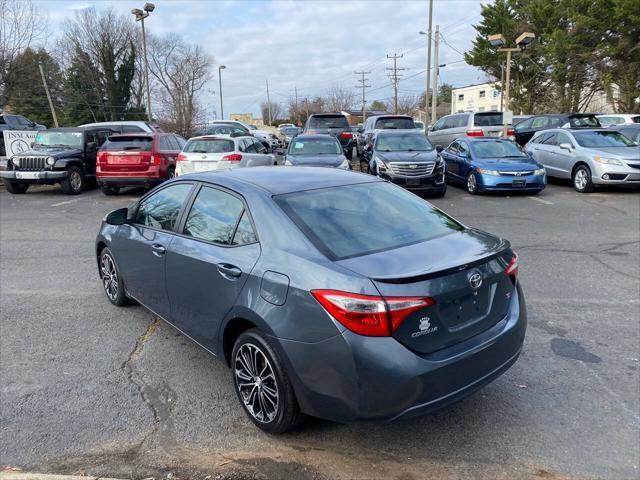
[(465, 310)]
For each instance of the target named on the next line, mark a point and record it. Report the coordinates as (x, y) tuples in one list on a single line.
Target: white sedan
[(211, 152)]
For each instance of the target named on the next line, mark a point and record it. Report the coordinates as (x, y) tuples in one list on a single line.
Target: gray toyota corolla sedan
[(328, 293)]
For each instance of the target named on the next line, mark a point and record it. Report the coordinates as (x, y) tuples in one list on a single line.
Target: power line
[(363, 84), (395, 78)]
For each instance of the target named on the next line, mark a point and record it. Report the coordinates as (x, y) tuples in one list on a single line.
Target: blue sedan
[(492, 164)]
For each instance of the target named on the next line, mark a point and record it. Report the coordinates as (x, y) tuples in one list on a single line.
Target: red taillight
[(102, 158), (155, 159), (511, 132), (369, 315), (234, 157), (181, 157), (512, 268), (476, 132), (346, 135)]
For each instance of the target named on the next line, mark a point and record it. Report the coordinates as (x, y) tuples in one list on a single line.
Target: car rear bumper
[(129, 181), (42, 176), (350, 377)]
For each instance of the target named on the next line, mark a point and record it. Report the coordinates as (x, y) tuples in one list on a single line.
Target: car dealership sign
[(18, 141)]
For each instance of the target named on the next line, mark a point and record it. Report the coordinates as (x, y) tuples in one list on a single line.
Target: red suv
[(138, 159)]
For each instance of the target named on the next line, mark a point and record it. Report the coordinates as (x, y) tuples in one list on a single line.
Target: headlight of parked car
[(344, 165), (607, 161), (539, 171), (51, 161), (484, 171)]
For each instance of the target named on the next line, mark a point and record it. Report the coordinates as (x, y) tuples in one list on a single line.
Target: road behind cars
[(88, 387)]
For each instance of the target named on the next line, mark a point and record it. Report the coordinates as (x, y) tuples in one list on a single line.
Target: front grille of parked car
[(31, 163), (412, 169), (516, 174)]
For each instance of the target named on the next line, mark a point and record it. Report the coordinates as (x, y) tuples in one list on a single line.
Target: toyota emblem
[(475, 280), (413, 166)]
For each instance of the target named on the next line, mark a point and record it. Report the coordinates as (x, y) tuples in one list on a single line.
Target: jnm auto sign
[(18, 141)]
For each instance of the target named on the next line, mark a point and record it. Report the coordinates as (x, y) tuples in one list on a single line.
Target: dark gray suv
[(328, 293)]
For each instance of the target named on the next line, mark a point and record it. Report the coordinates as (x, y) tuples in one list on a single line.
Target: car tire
[(74, 183), (472, 183), (111, 279), (267, 398), (110, 190), (15, 188), (581, 179)]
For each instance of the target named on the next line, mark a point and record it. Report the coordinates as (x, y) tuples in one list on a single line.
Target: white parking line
[(545, 202), (64, 203)]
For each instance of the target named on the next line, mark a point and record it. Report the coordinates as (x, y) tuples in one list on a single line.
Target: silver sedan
[(587, 156)]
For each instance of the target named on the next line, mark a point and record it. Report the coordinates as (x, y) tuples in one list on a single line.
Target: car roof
[(488, 139), (78, 129), (312, 136), (400, 131), (281, 180), (218, 137)]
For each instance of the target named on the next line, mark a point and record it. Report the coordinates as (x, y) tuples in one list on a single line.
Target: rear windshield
[(315, 146), (290, 130), (487, 119), (117, 144), (403, 143), (394, 123), (602, 139), (214, 145), (635, 119), (355, 220), (498, 149), (328, 121), (584, 122)]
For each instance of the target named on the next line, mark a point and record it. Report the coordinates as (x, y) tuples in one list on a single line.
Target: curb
[(12, 475)]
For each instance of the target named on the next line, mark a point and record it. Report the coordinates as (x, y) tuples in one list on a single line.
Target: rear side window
[(328, 121), (2, 122), (395, 123), (120, 143), (487, 119), (584, 122), (161, 209), (131, 129), (540, 122), (635, 119), (209, 146), (461, 121), (354, 220), (214, 217)]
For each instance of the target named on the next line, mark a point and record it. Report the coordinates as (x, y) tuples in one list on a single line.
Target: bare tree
[(338, 99), (21, 25), (181, 72), (276, 111), (407, 105)]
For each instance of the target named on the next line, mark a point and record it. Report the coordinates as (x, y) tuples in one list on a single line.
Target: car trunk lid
[(464, 272)]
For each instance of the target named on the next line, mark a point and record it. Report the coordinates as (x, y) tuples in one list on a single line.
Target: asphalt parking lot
[(90, 388)]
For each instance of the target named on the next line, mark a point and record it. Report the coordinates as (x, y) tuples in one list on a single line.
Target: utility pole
[(394, 79), (268, 102), (46, 89), (501, 86), (364, 86), (434, 98), (429, 37)]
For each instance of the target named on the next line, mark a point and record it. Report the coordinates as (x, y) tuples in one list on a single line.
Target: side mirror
[(117, 217), (566, 146), (439, 148), (360, 130)]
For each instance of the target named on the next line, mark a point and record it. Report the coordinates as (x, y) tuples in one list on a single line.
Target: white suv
[(201, 154)]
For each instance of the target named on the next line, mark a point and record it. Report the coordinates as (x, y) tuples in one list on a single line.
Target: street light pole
[(140, 16), (220, 68), (434, 97)]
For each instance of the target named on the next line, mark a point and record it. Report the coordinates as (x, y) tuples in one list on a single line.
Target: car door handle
[(229, 271), (158, 250)]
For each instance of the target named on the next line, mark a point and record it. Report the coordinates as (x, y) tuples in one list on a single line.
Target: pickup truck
[(60, 155)]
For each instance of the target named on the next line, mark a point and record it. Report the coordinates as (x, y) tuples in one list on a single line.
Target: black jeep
[(60, 155)]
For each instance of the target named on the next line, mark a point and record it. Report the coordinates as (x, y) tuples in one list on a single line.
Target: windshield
[(290, 130), (394, 123), (114, 144), (209, 146), (315, 146), (602, 139), (335, 121), (498, 149), (349, 221), (50, 138), (403, 143)]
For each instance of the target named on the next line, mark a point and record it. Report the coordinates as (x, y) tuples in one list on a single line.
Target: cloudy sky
[(309, 45)]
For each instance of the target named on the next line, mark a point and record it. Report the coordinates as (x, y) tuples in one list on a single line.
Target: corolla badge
[(424, 328), (475, 280)]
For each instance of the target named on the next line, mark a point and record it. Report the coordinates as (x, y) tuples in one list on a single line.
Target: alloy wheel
[(109, 276), (75, 179), (580, 180), (256, 383), (471, 183)]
